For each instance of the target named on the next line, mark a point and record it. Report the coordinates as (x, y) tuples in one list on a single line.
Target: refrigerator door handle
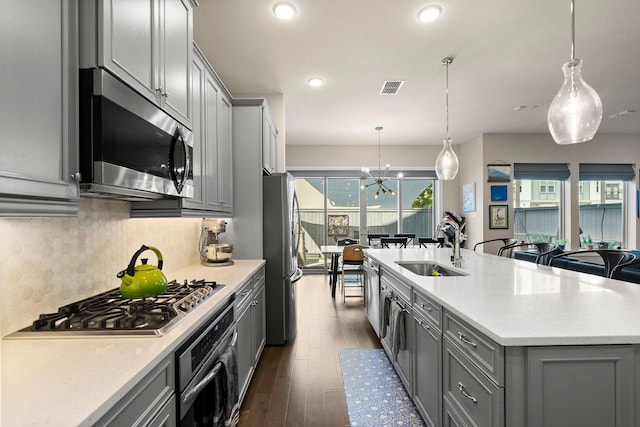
[(296, 276)]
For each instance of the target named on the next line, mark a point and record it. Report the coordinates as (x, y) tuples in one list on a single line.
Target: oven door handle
[(195, 391)]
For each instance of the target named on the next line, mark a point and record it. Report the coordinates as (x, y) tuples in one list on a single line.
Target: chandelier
[(379, 180)]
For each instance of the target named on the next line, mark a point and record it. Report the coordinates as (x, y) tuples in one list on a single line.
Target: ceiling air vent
[(391, 87)]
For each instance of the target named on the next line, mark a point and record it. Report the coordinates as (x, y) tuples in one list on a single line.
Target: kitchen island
[(512, 343), (76, 381)]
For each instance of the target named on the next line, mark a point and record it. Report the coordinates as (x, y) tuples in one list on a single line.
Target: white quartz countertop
[(519, 303), (74, 381)]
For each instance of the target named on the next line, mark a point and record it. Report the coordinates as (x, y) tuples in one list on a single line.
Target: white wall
[(538, 148), (472, 171)]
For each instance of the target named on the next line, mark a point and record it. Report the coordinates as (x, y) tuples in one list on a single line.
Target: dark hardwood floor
[(300, 384)]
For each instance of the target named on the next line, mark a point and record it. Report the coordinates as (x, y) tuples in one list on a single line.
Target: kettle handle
[(130, 270)]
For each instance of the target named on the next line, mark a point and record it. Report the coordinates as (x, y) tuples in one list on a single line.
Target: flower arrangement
[(587, 241)]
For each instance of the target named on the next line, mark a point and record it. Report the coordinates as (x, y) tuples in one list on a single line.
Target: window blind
[(607, 172), (547, 171)]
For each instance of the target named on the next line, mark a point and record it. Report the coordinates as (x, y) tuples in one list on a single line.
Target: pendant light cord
[(379, 128), (446, 61), (573, 31)]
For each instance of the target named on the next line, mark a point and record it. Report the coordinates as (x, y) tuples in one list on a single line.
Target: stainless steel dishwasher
[(372, 293)]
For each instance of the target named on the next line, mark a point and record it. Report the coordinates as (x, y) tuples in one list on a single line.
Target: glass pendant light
[(447, 161), (576, 111)]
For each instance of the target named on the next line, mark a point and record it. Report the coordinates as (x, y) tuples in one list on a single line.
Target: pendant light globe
[(576, 111), (447, 162)]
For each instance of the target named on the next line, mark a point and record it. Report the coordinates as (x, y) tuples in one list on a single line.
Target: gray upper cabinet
[(147, 44), (212, 152), (269, 143), (38, 113)]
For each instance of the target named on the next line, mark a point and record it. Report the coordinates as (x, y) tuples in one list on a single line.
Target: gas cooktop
[(108, 313)]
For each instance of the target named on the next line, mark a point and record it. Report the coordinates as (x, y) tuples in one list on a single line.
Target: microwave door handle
[(178, 179)]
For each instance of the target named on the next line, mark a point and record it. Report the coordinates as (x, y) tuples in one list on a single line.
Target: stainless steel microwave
[(129, 148)]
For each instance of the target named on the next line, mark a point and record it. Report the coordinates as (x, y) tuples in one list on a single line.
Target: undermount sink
[(429, 268)]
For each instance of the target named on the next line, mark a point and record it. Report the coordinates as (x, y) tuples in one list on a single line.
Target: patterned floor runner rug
[(375, 394)]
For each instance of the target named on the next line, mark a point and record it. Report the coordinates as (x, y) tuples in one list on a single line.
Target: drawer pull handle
[(465, 340), (423, 324), (429, 309), (465, 394)]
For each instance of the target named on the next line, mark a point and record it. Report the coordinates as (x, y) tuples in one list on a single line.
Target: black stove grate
[(109, 311)]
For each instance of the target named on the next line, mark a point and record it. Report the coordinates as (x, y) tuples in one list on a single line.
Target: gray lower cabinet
[(427, 381), (150, 403), (586, 386), (39, 112), (461, 377), (212, 152), (251, 327), (403, 359)]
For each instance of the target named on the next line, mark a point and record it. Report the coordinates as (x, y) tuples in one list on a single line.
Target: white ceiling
[(507, 53)]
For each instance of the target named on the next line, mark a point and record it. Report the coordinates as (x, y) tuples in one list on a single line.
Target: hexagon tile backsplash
[(49, 262)]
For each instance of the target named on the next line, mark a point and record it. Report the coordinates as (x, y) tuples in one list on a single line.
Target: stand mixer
[(212, 251)]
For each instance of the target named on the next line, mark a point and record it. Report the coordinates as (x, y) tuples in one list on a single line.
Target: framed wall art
[(338, 225), (498, 193), (499, 172), (498, 216), (469, 197)]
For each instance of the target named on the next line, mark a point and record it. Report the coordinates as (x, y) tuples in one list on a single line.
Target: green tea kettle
[(144, 280)]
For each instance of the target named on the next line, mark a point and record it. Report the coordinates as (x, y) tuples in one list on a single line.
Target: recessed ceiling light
[(315, 81), (429, 13), (284, 10)]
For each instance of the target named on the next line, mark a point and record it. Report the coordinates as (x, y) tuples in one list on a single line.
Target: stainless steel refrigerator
[(281, 238)]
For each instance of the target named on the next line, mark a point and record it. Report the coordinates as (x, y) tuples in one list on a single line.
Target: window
[(537, 200), (602, 212), (602, 204), (333, 207), (537, 210)]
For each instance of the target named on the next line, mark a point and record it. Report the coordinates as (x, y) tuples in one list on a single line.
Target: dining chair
[(397, 242), (546, 251), (371, 237), (506, 241), (614, 260), (423, 242), (352, 264), (410, 237), (347, 242)]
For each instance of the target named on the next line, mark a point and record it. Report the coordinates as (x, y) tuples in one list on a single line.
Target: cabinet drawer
[(474, 395), (396, 285), (485, 353), (145, 400), (428, 308), (243, 294)]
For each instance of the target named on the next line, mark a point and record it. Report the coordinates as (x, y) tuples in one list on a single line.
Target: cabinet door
[(212, 92), (199, 170), (38, 112), (258, 330), (427, 385), (129, 43), (166, 416), (268, 140), (176, 56), (224, 171), (244, 349), (581, 386), (404, 359)]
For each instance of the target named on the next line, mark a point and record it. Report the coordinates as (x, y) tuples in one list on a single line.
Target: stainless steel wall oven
[(207, 373)]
